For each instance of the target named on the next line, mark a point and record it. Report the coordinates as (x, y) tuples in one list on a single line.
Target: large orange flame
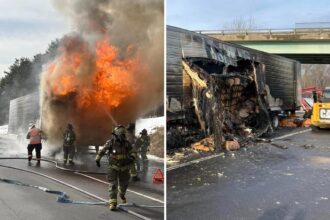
[(110, 82)]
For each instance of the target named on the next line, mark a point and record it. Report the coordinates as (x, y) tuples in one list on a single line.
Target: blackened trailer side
[(23, 112), (276, 79)]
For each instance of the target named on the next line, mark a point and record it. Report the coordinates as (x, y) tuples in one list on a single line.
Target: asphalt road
[(263, 182), (19, 202)]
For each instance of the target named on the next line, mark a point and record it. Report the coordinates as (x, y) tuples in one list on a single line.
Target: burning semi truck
[(108, 71), (92, 88), (25, 111), (224, 90)]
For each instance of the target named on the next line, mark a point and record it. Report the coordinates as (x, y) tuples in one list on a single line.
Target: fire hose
[(63, 198)]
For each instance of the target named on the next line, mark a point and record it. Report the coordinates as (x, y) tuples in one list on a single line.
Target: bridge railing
[(312, 25), (266, 31)]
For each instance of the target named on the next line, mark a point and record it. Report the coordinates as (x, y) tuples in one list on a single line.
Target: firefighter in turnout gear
[(143, 143), (35, 136), (121, 157), (131, 138), (69, 138)]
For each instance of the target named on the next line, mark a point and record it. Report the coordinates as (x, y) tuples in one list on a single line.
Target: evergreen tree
[(23, 78)]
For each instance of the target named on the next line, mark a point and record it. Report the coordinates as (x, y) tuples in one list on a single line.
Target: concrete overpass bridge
[(307, 45)]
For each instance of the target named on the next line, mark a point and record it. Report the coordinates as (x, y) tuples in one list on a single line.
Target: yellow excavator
[(320, 117)]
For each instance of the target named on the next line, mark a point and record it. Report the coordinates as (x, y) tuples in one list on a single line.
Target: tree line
[(315, 75), (22, 78)]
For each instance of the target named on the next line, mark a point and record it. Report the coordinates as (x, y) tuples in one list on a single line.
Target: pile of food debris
[(227, 103), (157, 142)]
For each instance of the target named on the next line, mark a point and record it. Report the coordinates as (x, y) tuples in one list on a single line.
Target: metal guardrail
[(266, 31)]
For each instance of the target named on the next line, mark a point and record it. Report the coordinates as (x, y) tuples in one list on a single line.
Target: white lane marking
[(137, 193), (76, 188), (194, 161), (292, 134), (221, 154)]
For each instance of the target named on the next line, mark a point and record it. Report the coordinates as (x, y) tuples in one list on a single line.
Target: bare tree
[(241, 24), (317, 75)]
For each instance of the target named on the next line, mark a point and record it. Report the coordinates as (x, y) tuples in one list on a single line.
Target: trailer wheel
[(275, 121)]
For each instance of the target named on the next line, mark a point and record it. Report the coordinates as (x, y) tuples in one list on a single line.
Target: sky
[(219, 14), (27, 28)]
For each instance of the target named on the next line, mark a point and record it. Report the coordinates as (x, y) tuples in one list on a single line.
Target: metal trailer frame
[(24, 111)]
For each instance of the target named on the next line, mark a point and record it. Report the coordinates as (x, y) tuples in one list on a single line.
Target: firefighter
[(121, 156), (35, 136), (131, 138), (69, 137), (143, 143)]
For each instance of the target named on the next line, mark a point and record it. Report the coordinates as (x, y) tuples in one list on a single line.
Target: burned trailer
[(26, 110), (225, 90), (23, 111)]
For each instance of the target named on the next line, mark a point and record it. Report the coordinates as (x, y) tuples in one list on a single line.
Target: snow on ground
[(148, 123), (4, 129), (155, 158)]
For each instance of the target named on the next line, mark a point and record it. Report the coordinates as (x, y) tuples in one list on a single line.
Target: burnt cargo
[(208, 78)]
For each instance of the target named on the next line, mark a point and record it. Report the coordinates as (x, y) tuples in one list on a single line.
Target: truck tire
[(275, 121)]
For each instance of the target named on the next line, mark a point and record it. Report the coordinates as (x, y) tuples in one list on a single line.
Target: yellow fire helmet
[(119, 131)]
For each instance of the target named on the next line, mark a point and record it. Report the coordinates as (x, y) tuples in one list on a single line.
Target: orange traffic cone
[(158, 176)]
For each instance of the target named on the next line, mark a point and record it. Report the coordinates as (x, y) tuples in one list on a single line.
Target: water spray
[(110, 116)]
